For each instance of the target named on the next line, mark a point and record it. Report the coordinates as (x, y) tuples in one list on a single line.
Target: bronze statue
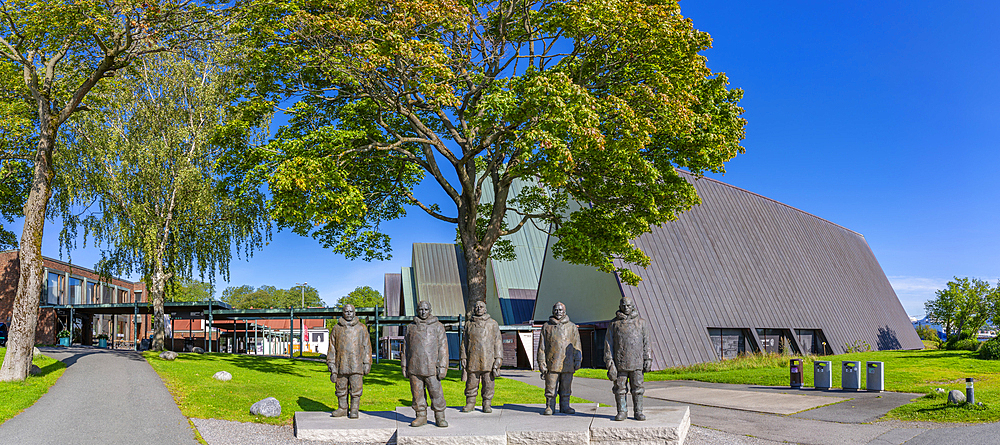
[(559, 356), (627, 356), (425, 363), (349, 359), (482, 356)]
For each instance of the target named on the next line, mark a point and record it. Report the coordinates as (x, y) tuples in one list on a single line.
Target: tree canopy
[(965, 305), (362, 296), (185, 289), (595, 103), (264, 297)]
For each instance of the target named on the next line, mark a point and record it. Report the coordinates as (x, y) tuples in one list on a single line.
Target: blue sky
[(879, 116)]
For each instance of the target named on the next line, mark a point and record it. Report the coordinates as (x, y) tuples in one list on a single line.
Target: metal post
[(378, 337), (291, 330), (301, 343), (135, 317), (71, 326), (211, 323), (461, 333)]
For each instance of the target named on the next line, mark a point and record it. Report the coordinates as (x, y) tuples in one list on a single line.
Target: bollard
[(795, 372), (875, 381), (850, 375), (970, 391), (822, 375)]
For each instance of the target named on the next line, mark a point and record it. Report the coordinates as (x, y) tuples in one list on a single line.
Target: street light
[(303, 292)]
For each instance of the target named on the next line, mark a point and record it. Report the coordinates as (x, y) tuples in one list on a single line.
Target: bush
[(968, 344), (990, 350), (927, 333)]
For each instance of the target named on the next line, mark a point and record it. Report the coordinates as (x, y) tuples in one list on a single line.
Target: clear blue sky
[(879, 116)]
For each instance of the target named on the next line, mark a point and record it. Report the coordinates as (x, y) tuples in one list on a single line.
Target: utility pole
[(303, 292)]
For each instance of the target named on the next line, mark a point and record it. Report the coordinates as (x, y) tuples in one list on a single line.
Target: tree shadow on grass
[(308, 404), (270, 365), (50, 368)]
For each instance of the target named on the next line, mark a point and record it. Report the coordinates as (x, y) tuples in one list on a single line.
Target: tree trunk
[(17, 361), (159, 321), (475, 270)]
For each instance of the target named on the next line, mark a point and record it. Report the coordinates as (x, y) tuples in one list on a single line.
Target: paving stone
[(526, 425), (371, 427), (475, 428), (663, 425)]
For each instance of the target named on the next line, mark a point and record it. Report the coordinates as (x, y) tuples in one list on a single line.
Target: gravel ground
[(224, 432)]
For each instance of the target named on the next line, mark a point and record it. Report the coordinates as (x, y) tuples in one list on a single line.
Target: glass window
[(52, 285), (317, 337), (75, 291), (107, 295), (91, 293)]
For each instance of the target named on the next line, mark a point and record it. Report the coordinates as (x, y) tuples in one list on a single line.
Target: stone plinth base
[(370, 428), (663, 425), (475, 428), (509, 425)]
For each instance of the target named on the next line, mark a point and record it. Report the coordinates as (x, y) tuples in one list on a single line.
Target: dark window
[(776, 341), (729, 342)]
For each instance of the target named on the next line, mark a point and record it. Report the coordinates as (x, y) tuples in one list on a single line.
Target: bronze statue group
[(425, 360)]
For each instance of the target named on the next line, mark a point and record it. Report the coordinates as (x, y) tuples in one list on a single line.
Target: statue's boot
[(341, 407), (355, 403), (421, 419), (622, 409), (550, 406), (487, 408), (439, 419), (564, 405), (637, 407), (470, 405)]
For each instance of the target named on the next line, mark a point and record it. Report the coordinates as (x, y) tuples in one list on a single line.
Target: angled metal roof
[(741, 260), (393, 292), (529, 249), (409, 291), (440, 277)]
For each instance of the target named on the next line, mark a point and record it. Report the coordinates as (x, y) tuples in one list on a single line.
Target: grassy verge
[(300, 385), (16, 396), (905, 371)]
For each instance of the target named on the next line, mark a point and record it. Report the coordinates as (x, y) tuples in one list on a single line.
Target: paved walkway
[(104, 397), (848, 422)]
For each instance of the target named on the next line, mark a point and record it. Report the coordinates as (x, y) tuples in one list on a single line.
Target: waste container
[(795, 372), (822, 374), (875, 381), (850, 376)]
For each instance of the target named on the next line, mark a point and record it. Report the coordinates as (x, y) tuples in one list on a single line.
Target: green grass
[(16, 396), (300, 385), (905, 371)]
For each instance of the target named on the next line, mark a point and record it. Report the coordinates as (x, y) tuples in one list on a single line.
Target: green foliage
[(247, 297), (363, 296), (858, 346), (63, 334), (300, 385), (595, 103), (927, 333), (990, 349), (15, 180), (965, 305), (965, 344), (16, 396), (184, 289)]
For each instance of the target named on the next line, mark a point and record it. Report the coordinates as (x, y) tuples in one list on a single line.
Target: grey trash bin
[(822, 374), (875, 380), (850, 375)]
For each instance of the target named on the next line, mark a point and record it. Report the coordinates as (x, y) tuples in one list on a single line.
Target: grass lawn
[(905, 371), (300, 385), (16, 396)]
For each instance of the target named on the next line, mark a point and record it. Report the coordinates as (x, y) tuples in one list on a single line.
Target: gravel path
[(104, 397)]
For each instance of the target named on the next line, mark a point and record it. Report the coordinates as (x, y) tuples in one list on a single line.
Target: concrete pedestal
[(526, 426), (663, 425), (371, 427), (475, 428), (507, 425)]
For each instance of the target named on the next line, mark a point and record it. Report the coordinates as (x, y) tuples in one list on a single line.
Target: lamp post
[(303, 292), (290, 327)]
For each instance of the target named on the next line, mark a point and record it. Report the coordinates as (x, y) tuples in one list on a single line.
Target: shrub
[(968, 344), (990, 350), (927, 333)]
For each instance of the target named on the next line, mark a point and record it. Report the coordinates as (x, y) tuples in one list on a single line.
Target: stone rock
[(35, 370), (168, 355), (956, 397), (35, 352), (197, 350), (269, 407), (222, 376)]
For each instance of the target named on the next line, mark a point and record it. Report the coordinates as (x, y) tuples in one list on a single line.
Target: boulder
[(35, 370), (168, 355), (956, 397), (269, 407), (197, 350), (222, 376)]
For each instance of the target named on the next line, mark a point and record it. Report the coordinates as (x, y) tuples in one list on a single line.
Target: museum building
[(740, 273)]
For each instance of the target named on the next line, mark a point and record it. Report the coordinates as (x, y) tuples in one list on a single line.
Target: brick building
[(66, 285)]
